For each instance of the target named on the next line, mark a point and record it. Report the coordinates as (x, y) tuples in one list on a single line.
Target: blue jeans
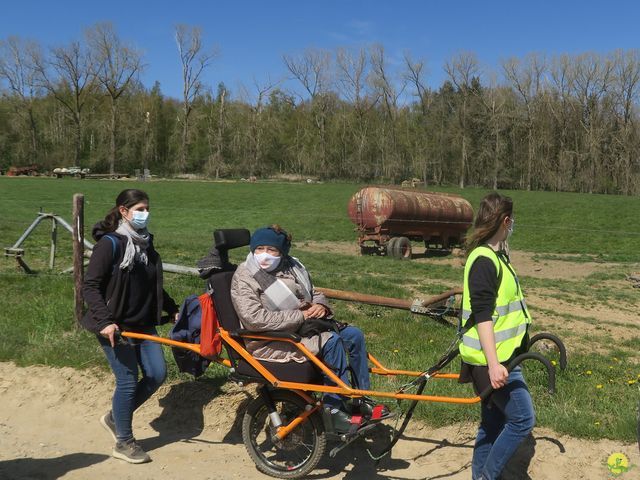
[(125, 361), (350, 341), (506, 421)]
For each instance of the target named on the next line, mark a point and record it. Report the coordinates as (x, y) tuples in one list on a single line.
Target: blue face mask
[(139, 220)]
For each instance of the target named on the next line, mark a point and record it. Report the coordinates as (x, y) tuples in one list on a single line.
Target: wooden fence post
[(78, 253), (54, 241)]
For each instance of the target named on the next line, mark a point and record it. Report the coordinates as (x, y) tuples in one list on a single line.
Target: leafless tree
[(216, 128), (558, 102), (414, 75), (590, 80), (256, 124), (116, 66), (195, 59), (626, 90), (19, 73), (526, 79), (461, 70), (69, 75), (352, 70), (493, 98), (312, 69), (388, 89)]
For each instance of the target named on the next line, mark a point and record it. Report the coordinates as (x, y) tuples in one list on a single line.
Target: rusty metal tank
[(382, 214)]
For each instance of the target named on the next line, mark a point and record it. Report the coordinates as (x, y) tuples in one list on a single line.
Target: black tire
[(402, 248), (391, 246), (298, 453), (557, 343)]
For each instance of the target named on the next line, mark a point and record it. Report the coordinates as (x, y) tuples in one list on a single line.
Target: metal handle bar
[(561, 348), (551, 372)]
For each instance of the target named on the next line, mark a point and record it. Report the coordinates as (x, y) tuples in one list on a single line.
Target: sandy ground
[(49, 430)]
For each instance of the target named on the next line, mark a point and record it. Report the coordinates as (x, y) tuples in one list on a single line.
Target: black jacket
[(106, 286)]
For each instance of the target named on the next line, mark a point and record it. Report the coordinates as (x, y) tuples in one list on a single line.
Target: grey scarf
[(278, 295), (137, 243)]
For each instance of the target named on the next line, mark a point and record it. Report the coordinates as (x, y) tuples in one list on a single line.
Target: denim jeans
[(350, 341), (506, 420), (126, 359)]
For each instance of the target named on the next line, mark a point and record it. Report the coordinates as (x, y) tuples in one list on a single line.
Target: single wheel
[(299, 452), (402, 248), (391, 246)]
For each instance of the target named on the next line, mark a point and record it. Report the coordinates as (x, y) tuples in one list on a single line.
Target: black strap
[(114, 254)]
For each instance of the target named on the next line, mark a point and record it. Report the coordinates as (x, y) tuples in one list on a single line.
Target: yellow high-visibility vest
[(511, 318)]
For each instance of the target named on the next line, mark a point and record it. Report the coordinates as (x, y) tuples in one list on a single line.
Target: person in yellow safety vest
[(495, 321)]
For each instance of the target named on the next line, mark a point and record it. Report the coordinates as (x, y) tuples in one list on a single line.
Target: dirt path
[(49, 430), (527, 262)]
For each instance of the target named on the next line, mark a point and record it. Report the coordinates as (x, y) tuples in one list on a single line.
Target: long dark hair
[(126, 198), (491, 213)]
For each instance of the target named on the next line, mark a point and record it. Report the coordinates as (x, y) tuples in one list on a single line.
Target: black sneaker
[(130, 451), (340, 421), (109, 425)]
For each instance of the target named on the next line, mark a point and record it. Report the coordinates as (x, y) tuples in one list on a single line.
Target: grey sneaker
[(131, 452), (107, 422)]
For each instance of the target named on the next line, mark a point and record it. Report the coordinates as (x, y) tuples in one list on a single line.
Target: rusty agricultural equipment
[(15, 171), (389, 218)]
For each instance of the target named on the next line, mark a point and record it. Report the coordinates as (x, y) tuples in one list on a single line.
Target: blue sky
[(253, 35)]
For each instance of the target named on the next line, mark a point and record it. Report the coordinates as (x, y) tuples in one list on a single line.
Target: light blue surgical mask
[(139, 220)]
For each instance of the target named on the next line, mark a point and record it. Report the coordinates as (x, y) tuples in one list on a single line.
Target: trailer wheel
[(402, 248), (391, 246)]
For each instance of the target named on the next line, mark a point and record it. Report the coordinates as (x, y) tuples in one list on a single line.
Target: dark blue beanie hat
[(267, 236)]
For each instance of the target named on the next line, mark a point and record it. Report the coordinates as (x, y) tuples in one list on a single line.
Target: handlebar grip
[(119, 338), (551, 372)]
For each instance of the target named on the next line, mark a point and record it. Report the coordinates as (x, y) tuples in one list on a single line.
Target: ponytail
[(112, 220), (491, 213)]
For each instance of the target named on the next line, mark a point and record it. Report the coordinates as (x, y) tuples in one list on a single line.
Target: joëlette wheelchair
[(285, 428)]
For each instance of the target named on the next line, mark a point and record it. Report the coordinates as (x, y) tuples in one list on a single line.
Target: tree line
[(562, 123)]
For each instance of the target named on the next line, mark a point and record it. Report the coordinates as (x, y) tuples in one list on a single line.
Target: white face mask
[(511, 228), (267, 262)]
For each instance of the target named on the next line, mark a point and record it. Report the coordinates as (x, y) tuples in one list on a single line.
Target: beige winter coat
[(248, 300)]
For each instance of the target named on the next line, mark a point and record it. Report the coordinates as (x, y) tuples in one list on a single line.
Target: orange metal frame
[(300, 388)]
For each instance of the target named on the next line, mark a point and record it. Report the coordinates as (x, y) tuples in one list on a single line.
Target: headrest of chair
[(226, 239)]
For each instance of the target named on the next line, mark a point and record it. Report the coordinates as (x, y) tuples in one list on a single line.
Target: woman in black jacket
[(123, 290)]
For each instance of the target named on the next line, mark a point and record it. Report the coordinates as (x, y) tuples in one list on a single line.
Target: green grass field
[(597, 395)]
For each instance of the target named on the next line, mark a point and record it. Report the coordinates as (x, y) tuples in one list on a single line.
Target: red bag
[(210, 340)]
